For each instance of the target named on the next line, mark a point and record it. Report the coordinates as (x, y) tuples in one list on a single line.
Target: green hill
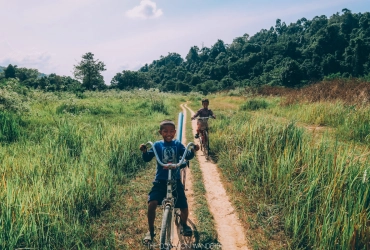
[(288, 55)]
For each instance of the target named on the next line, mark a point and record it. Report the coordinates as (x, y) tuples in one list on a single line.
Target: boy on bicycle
[(169, 151), (204, 112)]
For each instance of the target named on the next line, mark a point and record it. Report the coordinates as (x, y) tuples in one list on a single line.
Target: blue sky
[(52, 35)]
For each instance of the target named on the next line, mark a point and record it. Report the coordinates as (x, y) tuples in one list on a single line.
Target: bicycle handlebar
[(204, 118), (171, 165)]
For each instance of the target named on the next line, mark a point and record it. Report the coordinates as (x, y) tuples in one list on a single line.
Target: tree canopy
[(286, 55), (88, 71), (9, 72)]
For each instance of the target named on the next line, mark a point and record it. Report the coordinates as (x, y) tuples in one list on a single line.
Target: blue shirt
[(168, 152)]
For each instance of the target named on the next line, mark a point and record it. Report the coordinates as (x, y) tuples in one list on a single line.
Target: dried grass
[(352, 92)]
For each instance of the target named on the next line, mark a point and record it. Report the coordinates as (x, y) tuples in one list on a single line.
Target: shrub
[(12, 97), (75, 108), (254, 104), (69, 108), (159, 106)]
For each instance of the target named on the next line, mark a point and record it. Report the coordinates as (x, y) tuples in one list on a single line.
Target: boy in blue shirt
[(169, 151)]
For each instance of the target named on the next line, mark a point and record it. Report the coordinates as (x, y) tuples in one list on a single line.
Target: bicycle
[(167, 228), (203, 135)]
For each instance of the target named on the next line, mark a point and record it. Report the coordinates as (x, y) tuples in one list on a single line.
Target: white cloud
[(130, 65), (146, 9), (33, 58)]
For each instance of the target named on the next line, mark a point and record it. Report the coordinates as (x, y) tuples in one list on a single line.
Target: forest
[(293, 55)]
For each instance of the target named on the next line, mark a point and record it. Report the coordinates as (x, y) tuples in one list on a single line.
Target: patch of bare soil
[(315, 128), (230, 232)]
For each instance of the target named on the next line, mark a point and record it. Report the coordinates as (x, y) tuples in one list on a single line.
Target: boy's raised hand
[(143, 148)]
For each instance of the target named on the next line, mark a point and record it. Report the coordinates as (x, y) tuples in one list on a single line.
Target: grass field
[(72, 175), (296, 190), (64, 163)]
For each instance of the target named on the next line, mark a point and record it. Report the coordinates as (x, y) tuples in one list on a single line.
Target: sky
[(52, 35)]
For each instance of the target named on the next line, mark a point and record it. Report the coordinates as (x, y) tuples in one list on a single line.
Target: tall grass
[(10, 126), (349, 91), (49, 195), (71, 138), (64, 169), (351, 121), (339, 103), (321, 190)]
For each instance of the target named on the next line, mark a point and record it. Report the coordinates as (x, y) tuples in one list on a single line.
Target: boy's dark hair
[(166, 122), (205, 100)]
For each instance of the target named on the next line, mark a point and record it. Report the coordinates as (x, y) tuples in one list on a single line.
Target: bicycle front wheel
[(206, 144), (165, 239)]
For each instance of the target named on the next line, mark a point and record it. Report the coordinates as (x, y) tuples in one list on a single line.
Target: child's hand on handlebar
[(196, 147), (169, 167), (143, 148)]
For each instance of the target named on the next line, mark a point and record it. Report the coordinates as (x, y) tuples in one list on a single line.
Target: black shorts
[(159, 190)]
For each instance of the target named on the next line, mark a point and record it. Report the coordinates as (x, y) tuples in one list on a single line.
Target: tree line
[(285, 55), (87, 75)]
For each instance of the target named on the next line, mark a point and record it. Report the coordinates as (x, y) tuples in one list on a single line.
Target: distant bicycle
[(204, 135)]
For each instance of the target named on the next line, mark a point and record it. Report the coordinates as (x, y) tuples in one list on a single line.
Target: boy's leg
[(185, 229), (155, 197), (198, 129), (148, 238), (184, 215), (183, 205), (152, 206)]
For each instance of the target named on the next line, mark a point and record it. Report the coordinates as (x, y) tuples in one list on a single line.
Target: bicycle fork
[(168, 203)]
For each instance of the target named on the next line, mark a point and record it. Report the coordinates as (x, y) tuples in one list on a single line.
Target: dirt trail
[(179, 241), (230, 232), (189, 178)]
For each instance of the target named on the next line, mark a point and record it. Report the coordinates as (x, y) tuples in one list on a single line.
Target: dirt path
[(179, 241), (189, 178), (230, 232)]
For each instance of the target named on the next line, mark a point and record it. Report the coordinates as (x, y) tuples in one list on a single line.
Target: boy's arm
[(146, 155), (190, 154), (195, 115), (211, 113)]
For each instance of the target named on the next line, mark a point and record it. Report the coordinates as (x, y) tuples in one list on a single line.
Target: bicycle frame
[(204, 137), (167, 229)]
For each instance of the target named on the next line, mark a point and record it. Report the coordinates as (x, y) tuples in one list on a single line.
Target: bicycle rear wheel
[(165, 239)]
